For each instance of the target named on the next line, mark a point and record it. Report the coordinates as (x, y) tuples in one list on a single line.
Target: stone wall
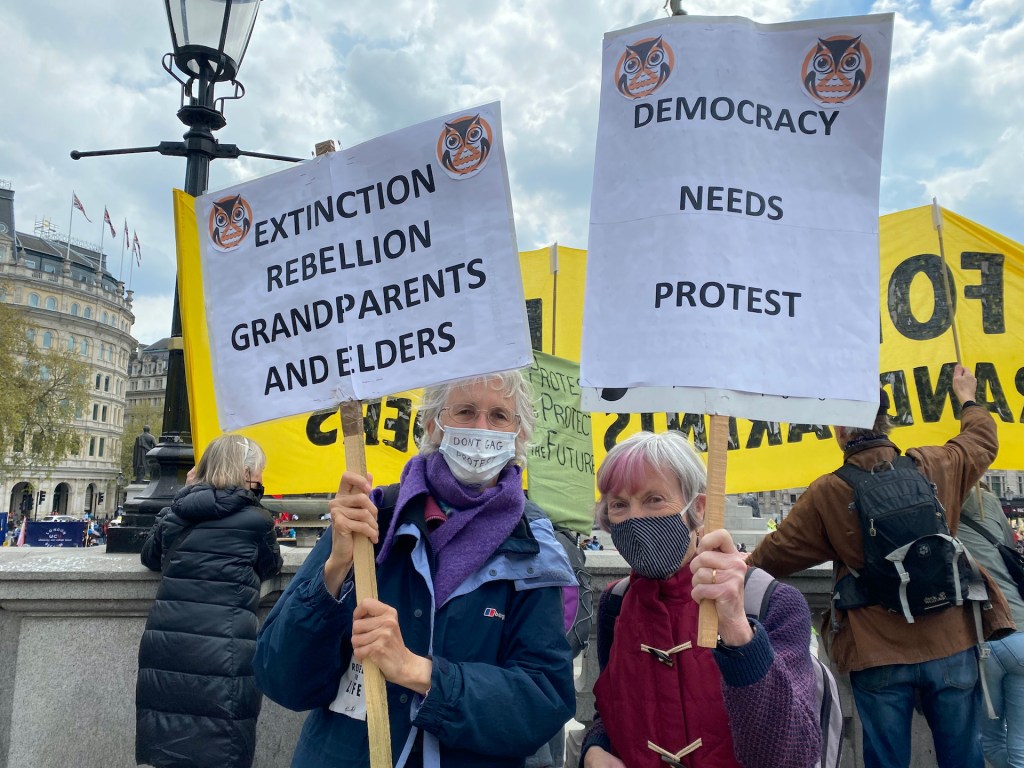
[(70, 624)]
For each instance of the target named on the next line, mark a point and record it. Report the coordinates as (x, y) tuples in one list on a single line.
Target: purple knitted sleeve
[(770, 690)]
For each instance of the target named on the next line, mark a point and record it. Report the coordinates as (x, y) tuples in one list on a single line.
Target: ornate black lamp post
[(209, 39)]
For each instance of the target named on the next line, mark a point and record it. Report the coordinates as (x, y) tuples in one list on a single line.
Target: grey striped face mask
[(654, 547)]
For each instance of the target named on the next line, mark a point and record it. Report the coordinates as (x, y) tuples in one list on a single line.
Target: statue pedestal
[(134, 490), (169, 464)]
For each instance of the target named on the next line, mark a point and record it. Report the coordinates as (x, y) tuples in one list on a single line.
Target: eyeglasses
[(498, 417)]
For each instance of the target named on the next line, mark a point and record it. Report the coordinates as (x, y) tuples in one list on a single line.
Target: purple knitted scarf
[(477, 523)]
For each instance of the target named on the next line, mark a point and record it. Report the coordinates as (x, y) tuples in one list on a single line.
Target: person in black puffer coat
[(196, 699)]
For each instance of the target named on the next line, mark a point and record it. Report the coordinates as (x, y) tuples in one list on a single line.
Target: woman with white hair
[(660, 697), (468, 629), (196, 699)]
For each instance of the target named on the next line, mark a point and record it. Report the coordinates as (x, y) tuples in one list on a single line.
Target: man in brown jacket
[(892, 662)]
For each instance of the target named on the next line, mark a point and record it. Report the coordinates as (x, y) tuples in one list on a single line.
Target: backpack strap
[(618, 589), (974, 524), (851, 474), (758, 586), (977, 593)]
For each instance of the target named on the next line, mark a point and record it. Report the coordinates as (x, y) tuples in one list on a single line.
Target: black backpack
[(582, 613), (912, 565), (1012, 559)]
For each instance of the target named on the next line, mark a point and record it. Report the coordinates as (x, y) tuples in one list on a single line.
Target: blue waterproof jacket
[(502, 681)]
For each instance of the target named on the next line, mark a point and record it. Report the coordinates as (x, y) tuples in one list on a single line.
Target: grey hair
[(511, 384), (882, 426), (627, 463), (226, 459)]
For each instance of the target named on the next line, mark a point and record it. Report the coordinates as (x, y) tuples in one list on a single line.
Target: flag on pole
[(127, 242), (78, 204), (108, 222), (137, 250)]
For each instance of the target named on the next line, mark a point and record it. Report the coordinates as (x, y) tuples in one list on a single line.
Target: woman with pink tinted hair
[(661, 699)]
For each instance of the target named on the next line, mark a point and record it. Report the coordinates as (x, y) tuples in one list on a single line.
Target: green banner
[(561, 455)]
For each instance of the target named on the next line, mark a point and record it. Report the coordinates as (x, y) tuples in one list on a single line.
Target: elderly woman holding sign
[(468, 629), (661, 699)]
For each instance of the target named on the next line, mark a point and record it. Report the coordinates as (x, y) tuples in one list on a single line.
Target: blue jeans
[(1003, 739), (949, 695)]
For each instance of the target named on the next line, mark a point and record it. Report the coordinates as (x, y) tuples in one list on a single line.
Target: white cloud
[(89, 77), (152, 318)]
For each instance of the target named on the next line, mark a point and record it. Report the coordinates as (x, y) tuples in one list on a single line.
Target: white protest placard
[(376, 269), (733, 258)]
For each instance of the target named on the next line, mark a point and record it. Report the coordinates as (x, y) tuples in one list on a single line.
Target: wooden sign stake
[(714, 516), (377, 724), (937, 223)]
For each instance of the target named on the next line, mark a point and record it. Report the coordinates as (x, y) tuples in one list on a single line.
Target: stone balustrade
[(70, 625)]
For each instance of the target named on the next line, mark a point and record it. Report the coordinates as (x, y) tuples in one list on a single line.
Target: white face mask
[(476, 456)]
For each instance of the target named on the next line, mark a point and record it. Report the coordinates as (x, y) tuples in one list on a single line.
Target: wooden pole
[(937, 223), (377, 724), (714, 516), (554, 297)]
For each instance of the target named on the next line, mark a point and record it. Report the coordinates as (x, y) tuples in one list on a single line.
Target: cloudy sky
[(88, 76)]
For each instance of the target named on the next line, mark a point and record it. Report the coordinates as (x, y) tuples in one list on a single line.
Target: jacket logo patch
[(491, 613)]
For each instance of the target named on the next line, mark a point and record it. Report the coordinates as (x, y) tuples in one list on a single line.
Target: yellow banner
[(916, 357), (306, 455)]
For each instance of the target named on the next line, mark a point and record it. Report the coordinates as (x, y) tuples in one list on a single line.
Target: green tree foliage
[(41, 390)]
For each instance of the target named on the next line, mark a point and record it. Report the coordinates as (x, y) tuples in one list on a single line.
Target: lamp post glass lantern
[(209, 38)]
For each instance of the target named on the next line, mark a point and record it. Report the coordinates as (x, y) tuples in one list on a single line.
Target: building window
[(101, 445), (159, 383), (44, 372), (47, 340), (106, 384), (74, 310), (92, 446), (103, 417), (51, 303), (71, 343), (33, 299), (104, 316), (87, 314), (95, 411), (97, 381), (30, 334), (83, 348)]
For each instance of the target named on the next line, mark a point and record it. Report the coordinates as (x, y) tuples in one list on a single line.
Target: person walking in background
[(894, 664), (1002, 739), (468, 630), (196, 700), (750, 702)]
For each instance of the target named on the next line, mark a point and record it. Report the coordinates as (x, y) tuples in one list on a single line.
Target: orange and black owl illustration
[(464, 146), (230, 220), (836, 69), (643, 68)]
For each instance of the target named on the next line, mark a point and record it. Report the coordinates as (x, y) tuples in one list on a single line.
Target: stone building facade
[(71, 300)]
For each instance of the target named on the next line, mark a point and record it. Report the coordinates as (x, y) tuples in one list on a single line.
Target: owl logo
[(230, 222), (836, 69), (644, 67), (464, 146)]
